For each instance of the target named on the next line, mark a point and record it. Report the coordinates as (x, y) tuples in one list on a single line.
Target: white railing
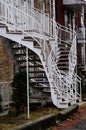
[(60, 83), (70, 80), (72, 56), (18, 18), (78, 85)]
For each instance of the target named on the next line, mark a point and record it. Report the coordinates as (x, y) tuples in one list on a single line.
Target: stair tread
[(37, 47), (40, 82), (3, 26), (35, 66), (16, 32), (39, 78), (24, 39), (63, 67), (63, 59), (62, 63), (35, 71), (41, 87), (47, 91), (64, 102), (63, 55), (18, 48), (38, 97)]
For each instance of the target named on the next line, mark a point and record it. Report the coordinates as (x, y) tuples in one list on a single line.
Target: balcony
[(74, 4)]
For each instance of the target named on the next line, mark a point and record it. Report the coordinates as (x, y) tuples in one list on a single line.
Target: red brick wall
[(37, 4), (6, 65), (77, 19), (59, 12), (79, 58)]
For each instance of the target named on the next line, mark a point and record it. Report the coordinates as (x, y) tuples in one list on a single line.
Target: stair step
[(24, 68), (35, 66), (32, 60), (35, 71), (63, 67), (65, 47), (24, 54), (39, 66), (16, 32), (40, 82), (62, 63), (38, 97), (37, 47), (64, 50), (40, 76), (59, 97), (41, 87), (21, 61), (24, 60), (63, 59), (54, 87), (46, 84), (64, 102), (19, 55), (46, 90), (28, 39), (3, 26), (63, 55), (19, 48)]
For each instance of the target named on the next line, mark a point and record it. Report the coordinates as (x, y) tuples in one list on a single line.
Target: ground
[(10, 121), (72, 121)]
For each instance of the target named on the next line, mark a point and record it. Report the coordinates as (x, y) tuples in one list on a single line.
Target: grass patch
[(10, 121)]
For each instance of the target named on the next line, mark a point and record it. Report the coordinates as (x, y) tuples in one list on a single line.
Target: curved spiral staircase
[(52, 51)]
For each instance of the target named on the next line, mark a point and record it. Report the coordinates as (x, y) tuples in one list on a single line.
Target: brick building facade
[(6, 65)]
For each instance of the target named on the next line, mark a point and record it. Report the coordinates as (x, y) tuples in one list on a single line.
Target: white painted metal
[(49, 35), (27, 70), (69, 2)]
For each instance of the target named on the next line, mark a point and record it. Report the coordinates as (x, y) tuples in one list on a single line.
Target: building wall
[(59, 11), (6, 65), (77, 20), (38, 5)]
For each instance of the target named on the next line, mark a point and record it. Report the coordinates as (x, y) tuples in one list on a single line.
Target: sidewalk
[(79, 126), (81, 117), (75, 122)]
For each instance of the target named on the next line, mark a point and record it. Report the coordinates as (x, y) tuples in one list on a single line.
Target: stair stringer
[(18, 39)]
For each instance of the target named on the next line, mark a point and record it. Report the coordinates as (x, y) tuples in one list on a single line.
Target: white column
[(54, 17), (27, 83), (74, 21), (83, 33), (66, 18), (32, 3)]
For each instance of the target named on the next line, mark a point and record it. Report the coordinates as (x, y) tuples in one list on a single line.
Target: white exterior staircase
[(55, 46)]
